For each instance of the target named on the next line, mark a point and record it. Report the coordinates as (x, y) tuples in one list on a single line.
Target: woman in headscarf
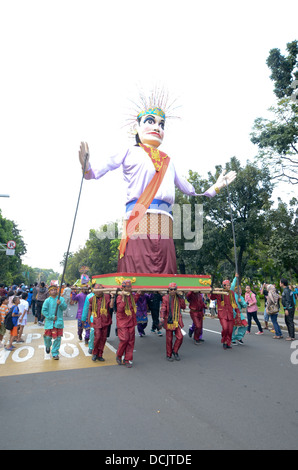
[(273, 309)]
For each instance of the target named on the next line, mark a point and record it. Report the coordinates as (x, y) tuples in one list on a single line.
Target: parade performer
[(240, 323), (53, 324), (226, 304), (141, 314), (154, 301), (147, 244), (99, 307), (89, 319), (171, 320), (80, 298), (126, 323), (196, 307)]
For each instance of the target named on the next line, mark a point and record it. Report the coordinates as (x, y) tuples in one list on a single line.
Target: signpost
[(9, 248), (11, 244)]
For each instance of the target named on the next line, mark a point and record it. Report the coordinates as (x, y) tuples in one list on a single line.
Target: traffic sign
[(11, 244)]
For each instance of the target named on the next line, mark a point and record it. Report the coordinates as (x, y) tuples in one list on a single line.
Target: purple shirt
[(80, 298)]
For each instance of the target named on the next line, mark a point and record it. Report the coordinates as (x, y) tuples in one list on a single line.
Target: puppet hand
[(225, 179), (84, 155)]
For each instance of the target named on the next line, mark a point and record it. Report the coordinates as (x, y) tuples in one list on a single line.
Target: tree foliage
[(277, 138), (250, 199), (11, 266), (100, 254)]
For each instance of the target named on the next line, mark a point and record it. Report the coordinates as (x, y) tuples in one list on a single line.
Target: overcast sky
[(68, 69)]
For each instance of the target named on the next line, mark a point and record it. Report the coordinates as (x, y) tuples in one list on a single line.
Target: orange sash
[(160, 161)]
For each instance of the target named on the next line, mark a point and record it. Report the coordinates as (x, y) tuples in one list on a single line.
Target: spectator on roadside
[(264, 292), (10, 295), (212, 308), (33, 302), (3, 312), (289, 308), (67, 298), (15, 317), (22, 321), (273, 308), (29, 299), (3, 292), (252, 310), (42, 295), (293, 289)]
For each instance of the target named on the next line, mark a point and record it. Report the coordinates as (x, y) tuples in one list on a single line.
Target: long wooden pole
[(73, 225)]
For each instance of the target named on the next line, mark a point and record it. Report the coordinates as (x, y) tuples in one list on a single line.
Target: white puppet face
[(151, 130)]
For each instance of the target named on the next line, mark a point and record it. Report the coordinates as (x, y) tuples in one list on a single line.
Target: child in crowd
[(23, 309), (3, 311), (15, 317)]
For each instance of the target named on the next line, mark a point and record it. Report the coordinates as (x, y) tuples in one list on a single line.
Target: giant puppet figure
[(147, 244)]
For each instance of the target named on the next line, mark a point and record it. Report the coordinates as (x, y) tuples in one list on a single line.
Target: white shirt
[(138, 171), (23, 306), (66, 293)]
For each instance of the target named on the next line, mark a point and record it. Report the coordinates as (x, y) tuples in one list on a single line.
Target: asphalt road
[(244, 398)]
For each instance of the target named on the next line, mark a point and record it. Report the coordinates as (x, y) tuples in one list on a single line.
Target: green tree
[(284, 69), (10, 266), (283, 240), (277, 138), (100, 254), (250, 199)]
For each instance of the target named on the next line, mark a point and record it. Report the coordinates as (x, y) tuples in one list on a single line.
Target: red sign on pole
[(11, 244)]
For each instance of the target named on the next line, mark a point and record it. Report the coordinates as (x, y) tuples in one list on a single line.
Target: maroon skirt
[(153, 254)]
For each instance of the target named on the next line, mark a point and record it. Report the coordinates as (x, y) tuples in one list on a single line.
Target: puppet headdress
[(155, 101)]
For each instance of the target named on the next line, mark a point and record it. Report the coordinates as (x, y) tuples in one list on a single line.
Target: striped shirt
[(3, 311)]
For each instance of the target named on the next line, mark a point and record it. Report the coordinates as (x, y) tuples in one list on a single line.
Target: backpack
[(8, 324)]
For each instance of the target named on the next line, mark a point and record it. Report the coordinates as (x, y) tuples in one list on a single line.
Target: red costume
[(126, 323), (225, 304), (101, 321), (172, 321), (196, 307)]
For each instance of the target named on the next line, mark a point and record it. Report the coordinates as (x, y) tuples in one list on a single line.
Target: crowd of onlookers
[(20, 300)]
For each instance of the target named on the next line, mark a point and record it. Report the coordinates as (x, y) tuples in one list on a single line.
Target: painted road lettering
[(31, 356)]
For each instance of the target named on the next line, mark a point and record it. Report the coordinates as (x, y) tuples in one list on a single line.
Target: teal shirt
[(86, 308), (49, 309), (239, 300)]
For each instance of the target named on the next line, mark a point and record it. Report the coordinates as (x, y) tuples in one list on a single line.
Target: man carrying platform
[(99, 307), (126, 322), (226, 304), (171, 319)]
